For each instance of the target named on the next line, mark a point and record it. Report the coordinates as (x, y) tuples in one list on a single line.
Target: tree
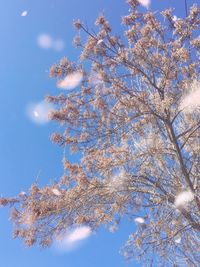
[(134, 123)]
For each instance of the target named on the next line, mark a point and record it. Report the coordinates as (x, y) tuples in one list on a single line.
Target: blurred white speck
[(192, 100), (58, 45), (145, 3), (73, 238), (100, 41), (183, 198), (36, 114), (175, 18), (79, 233), (71, 80), (21, 194), (113, 228), (56, 192), (44, 41), (39, 112), (24, 13), (117, 181), (178, 240), (139, 220)]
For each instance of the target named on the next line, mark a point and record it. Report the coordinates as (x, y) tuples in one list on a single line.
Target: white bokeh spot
[(192, 100), (58, 45), (24, 13), (73, 238), (183, 198), (39, 112), (44, 41), (71, 81), (145, 3), (139, 220)]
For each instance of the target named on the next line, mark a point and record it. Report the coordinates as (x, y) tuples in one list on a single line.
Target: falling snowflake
[(118, 181), (71, 81), (79, 233), (39, 112), (174, 18), (36, 113), (100, 41), (178, 240), (58, 45), (192, 100), (73, 238), (22, 194), (44, 41), (139, 220), (145, 3), (24, 13), (56, 192), (183, 198)]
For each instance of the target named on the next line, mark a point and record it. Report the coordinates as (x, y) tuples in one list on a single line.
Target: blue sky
[(26, 151)]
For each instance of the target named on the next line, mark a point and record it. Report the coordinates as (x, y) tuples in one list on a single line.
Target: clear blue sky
[(25, 147)]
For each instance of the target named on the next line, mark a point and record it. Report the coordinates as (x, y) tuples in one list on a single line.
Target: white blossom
[(28, 219), (95, 78)]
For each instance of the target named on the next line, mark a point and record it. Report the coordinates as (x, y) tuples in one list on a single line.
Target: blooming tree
[(130, 111)]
